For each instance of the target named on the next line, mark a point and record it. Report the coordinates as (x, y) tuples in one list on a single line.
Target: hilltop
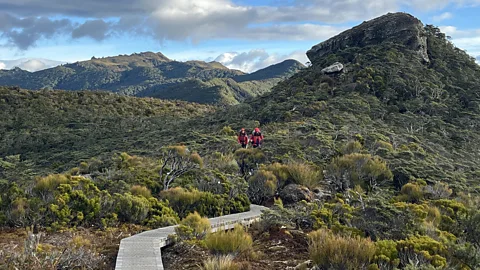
[(151, 74)]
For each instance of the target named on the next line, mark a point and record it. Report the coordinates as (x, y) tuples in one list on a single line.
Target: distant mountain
[(29, 64), (280, 70), (229, 90), (151, 74)]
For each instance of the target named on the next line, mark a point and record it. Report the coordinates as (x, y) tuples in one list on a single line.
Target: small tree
[(175, 162)]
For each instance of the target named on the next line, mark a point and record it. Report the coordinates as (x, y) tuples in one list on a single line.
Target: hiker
[(256, 138), (243, 138)]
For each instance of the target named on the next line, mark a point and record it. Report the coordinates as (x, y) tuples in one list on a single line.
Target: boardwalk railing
[(143, 251)]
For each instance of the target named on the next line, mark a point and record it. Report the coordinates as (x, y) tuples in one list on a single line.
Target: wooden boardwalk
[(143, 251)]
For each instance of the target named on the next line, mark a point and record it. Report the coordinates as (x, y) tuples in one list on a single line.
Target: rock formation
[(399, 28)]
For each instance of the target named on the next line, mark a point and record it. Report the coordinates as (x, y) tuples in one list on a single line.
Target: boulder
[(335, 68), (295, 193)]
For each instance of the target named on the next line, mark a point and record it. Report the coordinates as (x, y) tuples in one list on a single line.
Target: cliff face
[(400, 28)]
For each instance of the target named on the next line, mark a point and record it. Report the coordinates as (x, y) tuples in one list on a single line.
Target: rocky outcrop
[(295, 193), (399, 28)]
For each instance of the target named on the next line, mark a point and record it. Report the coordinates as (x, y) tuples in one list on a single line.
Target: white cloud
[(256, 59), (30, 64), (442, 17), (23, 23), (468, 40)]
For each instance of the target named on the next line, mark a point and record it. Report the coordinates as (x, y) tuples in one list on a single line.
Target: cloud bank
[(24, 23)]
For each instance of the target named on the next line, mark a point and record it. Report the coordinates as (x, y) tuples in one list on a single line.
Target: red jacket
[(243, 138), (256, 139)]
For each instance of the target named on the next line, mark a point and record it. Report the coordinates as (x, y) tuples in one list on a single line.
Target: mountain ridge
[(152, 74)]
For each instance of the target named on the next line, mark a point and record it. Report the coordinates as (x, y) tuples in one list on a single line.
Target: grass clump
[(329, 251), (224, 262), (235, 241)]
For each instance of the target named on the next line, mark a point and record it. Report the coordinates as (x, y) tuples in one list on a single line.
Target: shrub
[(357, 169), (329, 251), (248, 159), (352, 147), (305, 175), (262, 186), (281, 171), (411, 192), (220, 263), (438, 191), (47, 185), (386, 254), (430, 249), (205, 203), (131, 208), (193, 227), (384, 145), (227, 130), (161, 214), (141, 191), (229, 242), (181, 200)]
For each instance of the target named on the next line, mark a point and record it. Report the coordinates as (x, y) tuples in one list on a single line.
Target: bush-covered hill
[(154, 75), (421, 117), (54, 128)]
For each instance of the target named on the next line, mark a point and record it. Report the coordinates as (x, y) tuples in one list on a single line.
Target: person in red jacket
[(256, 138), (243, 138)]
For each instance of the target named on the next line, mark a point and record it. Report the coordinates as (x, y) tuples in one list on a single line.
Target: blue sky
[(242, 34)]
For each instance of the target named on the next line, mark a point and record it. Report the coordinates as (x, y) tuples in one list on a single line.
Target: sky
[(242, 34)]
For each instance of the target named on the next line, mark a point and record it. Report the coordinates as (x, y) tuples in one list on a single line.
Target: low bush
[(304, 174), (411, 192), (193, 227), (141, 191)]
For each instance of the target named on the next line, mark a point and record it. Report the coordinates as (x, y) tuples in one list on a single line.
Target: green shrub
[(141, 191), (304, 174), (161, 214), (411, 192), (329, 251), (229, 242), (281, 171), (383, 145), (193, 227), (386, 254), (352, 147), (131, 208), (227, 130), (431, 250), (357, 169), (220, 263), (262, 186), (205, 203)]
